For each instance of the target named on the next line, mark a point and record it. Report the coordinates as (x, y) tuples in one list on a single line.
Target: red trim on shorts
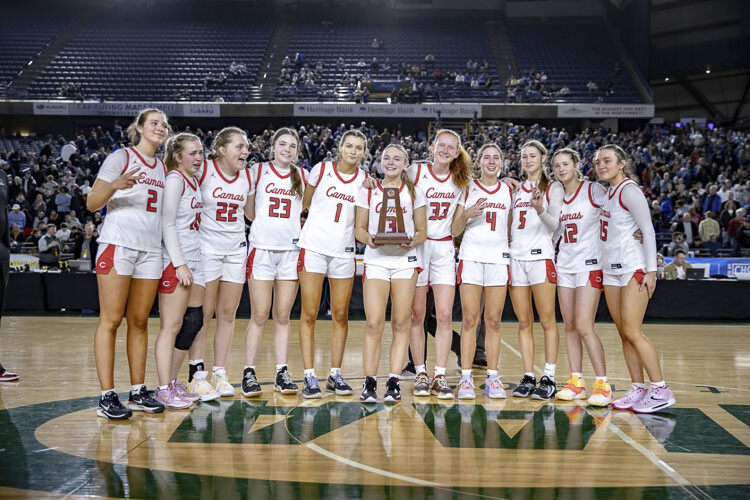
[(156, 160), (638, 275), (249, 265), (596, 279), (106, 260), (218, 170), (127, 161), (168, 281), (510, 283), (481, 186), (364, 271), (458, 271), (301, 260), (568, 202), (203, 174), (444, 238), (551, 271), (429, 169), (591, 197)]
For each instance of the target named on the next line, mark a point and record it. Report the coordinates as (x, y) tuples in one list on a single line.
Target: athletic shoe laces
[(442, 383), (312, 382), (338, 379)]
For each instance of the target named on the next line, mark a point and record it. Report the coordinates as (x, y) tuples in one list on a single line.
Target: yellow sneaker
[(202, 388), (575, 389), (220, 383), (602, 394)]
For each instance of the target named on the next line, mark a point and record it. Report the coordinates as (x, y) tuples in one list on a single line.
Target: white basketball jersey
[(133, 217), (188, 219), (531, 239), (486, 236), (391, 256), (621, 253), (277, 208), (441, 197), (579, 230), (223, 218), (329, 228)]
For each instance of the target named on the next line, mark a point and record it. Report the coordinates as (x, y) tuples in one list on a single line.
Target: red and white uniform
[(222, 229), (327, 239), (578, 260), (130, 239), (181, 217), (624, 211), (276, 227), (388, 262), (437, 254), (484, 256), (531, 248)]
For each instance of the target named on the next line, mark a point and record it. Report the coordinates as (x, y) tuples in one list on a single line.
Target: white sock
[(310, 372), (529, 374), (335, 371), (465, 373), (251, 367), (579, 375), (195, 361), (163, 387), (603, 379), (420, 369), (439, 370), (280, 367), (659, 384), (104, 393), (549, 370), (639, 385), (491, 373), (393, 375), (217, 368), (135, 387)]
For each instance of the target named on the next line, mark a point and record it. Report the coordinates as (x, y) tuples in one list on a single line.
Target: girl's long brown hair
[(297, 186)]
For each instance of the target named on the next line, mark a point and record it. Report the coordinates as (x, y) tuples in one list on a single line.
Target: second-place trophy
[(391, 225)]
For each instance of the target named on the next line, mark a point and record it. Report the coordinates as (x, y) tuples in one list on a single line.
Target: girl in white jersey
[(225, 188), (327, 248), (128, 264), (182, 282), (536, 213), (389, 270), (272, 262), (579, 276), (630, 278), (442, 182), (484, 257)]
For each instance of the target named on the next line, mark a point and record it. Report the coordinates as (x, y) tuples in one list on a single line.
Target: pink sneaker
[(626, 402), (6, 376), (168, 397), (184, 394), (656, 399)]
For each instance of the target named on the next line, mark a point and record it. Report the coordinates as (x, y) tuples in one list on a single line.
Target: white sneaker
[(221, 384), (202, 388)]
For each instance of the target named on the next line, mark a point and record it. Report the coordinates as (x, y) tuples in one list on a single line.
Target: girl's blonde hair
[(223, 138), (349, 133), (573, 156), (481, 151), (622, 157), (404, 176), (176, 145), (546, 178), (140, 119), (460, 167), (297, 186)]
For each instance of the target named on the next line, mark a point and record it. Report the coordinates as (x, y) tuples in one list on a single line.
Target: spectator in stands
[(299, 59), (64, 233), (743, 233), (50, 248), (39, 205), (712, 245), (687, 227), (16, 216), (54, 218), (677, 269), (728, 212), (16, 238), (429, 61), (709, 227), (712, 202), (33, 238), (286, 63), (733, 228), (677, 243), (62, 201), (592, 86)]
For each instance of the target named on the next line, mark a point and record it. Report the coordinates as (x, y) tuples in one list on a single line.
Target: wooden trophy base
[(391, 239)]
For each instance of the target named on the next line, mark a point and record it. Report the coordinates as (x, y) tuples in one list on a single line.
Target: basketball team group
[(176, 227)]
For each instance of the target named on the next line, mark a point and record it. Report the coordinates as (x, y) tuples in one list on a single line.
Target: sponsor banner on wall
[(124, 108), (378, 110), (594, 110)]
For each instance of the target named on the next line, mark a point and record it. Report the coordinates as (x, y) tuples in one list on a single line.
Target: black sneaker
[(111, 408), (392, 391), (250, 386), (311, 390), (283, 382), (525, 387), (409, 372), (545, 390), (369, 390), (194, 368), (337, 383), (144, 401)]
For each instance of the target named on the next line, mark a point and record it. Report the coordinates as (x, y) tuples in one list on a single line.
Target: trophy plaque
[(391, 227)]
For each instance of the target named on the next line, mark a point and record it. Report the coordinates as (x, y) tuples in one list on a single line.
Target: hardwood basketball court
[(53, 445)]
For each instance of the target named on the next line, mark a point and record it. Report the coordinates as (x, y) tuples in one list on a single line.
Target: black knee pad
[(191, 325)]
